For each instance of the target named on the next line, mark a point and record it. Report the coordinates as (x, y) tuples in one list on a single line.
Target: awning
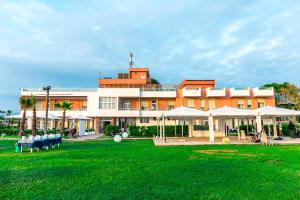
[(185, 112), (275, 112), (227, 111)]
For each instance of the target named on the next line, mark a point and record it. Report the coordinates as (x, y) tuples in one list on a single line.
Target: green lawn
[(139, 170)]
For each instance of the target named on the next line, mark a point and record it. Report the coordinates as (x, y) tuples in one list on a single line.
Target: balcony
[(263, 92), (234, 92), (191, 92), (215, 92)]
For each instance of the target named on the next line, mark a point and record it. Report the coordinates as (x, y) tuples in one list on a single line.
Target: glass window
[(107, 103), (144, 105), (202, 104), (211, 104), (144, 120), (190, 103), (153, 105)]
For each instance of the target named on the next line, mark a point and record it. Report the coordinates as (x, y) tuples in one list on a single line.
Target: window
[(261, 103), (249, 104), (211, 104), (38, 104), (127, 105), (144, 120), (240, 103), (107, 103), (153, 105), (144, 105), (190, 103), (171, 104), (202, 104), (84, 105)]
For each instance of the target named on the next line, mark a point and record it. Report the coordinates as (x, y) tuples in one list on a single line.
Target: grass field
[(139, 170)]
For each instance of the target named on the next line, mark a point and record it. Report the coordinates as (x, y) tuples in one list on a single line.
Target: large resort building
[(134, 98)]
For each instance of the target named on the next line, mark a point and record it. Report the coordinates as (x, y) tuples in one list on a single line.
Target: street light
[(47, 89)]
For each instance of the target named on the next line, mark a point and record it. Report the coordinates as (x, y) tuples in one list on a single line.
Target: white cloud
[(227, 36)]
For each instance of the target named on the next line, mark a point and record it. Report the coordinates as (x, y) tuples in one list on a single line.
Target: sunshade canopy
[(227, 111), (275, 111), (185, 112), (82, 117)]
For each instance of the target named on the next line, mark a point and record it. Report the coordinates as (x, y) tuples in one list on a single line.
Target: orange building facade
[(135, 98)]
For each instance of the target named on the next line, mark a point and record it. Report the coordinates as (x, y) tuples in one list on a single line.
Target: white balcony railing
[(259, 92), (215, 92), (239, 92), (191, 92)]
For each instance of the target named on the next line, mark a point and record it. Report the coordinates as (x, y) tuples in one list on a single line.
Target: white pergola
[(270, 112), (82, 120), (184, 114), (226, 112)]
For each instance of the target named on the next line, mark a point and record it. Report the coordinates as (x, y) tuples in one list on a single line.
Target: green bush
[(285, 130), (111, 129), (244, 127), (201, 127), (150, 131)]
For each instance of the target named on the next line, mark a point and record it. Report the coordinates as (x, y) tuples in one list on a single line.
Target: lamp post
[(47, 89)]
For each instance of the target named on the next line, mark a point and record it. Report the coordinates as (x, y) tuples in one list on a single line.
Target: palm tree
[(8, 113), (64, 106), (33, 126), (25, 104)]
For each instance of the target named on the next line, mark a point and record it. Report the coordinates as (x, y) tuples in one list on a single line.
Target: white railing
[(215, 92), (258, 92), (234, 92), (60, 90), (191, 92)]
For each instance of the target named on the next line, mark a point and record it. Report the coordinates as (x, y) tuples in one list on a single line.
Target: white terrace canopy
[(271, 113), (29, 115), (230, 112), (181, 113), (226, 112)]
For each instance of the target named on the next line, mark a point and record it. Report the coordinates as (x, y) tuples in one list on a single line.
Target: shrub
[(150, 131), (201, 127), (111, 130), (244, 127)]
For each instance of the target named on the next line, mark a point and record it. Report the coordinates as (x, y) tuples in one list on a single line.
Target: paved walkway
[(218, 141), (86, 137)]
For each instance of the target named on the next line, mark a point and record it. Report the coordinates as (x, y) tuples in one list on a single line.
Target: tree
[(154, 81), (8, 113), (1, 113), (33, 125), (64, 106), (25, 104)]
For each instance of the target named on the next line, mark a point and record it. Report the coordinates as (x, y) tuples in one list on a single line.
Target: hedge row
[(150, 131), (26, 131)]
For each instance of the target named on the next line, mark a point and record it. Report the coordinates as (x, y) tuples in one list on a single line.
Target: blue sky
[(66, 43)]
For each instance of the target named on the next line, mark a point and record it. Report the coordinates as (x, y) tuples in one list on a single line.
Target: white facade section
[(159, 94), (215, 92), (266, 92), (191, 92), (239, 92)]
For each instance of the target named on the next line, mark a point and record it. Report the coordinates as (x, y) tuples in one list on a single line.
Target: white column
[(190, 129), (164, 133), (211, 128), (81, 127), (160, 128), (274, 127), (182, 122), (29, 123), (175, 129), (258, 122), (269, 128)]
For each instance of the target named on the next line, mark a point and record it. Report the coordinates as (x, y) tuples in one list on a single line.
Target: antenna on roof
[(131, 62)]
